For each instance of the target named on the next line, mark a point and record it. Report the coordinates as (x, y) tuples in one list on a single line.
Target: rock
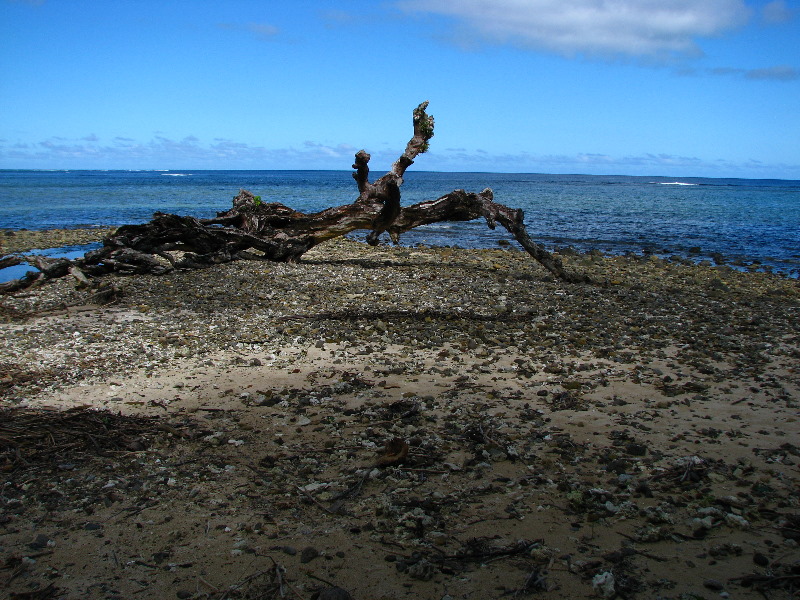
[(636, 449), (736, 521), (422, 570), (705, 523), (714, 584), (39, 543), (333, 593), (760, 559), (439, 538), (604, 584), (308, 554), (618, 466)]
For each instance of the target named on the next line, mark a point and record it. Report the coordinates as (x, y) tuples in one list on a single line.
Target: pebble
[(291, 551), (605, 584), (308, 554), (760, 559), (714, 584)]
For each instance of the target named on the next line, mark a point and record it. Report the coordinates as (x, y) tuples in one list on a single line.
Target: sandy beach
[(429, 423)]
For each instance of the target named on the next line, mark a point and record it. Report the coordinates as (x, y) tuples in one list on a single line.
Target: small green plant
[(257, 200)]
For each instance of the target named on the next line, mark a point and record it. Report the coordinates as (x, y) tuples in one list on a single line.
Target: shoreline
[(641, 433), (15, 241), (21, 241)]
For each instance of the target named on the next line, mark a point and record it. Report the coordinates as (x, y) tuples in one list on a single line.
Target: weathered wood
[(29, 279), (459, 205), (9, 261)]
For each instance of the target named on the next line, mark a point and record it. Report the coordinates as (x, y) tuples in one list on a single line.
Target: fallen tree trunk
[(459, 205), (252, 229)]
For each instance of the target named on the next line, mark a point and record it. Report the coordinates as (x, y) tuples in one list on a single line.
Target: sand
[(404, 423)]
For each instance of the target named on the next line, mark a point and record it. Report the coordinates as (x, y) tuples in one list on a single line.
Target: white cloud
[(776, 73), (261, 31), (777, 12), (634, 28), (343, 151)]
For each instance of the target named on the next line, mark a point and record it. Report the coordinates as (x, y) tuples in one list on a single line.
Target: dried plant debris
[(31, 438), (394, 452)]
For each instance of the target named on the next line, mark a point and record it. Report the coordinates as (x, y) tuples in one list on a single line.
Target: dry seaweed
[(38, 438)]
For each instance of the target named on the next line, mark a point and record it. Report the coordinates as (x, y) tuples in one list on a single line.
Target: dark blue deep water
[(745, 220)]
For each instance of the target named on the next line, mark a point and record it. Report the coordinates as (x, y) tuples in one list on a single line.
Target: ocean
[(748, 222)]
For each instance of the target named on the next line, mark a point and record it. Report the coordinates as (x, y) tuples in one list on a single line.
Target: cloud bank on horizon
[(237, 155), (685, 87)]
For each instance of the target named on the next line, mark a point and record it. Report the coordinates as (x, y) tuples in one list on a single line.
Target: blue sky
[(640, 87)]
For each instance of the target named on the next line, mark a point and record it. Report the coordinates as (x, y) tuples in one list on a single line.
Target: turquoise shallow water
[(744, 220)]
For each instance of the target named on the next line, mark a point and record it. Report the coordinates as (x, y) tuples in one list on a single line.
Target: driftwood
[(9, 261), (252, 229), (49, 268)]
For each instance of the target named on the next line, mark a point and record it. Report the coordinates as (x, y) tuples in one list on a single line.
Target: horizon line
[(67, 170)]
